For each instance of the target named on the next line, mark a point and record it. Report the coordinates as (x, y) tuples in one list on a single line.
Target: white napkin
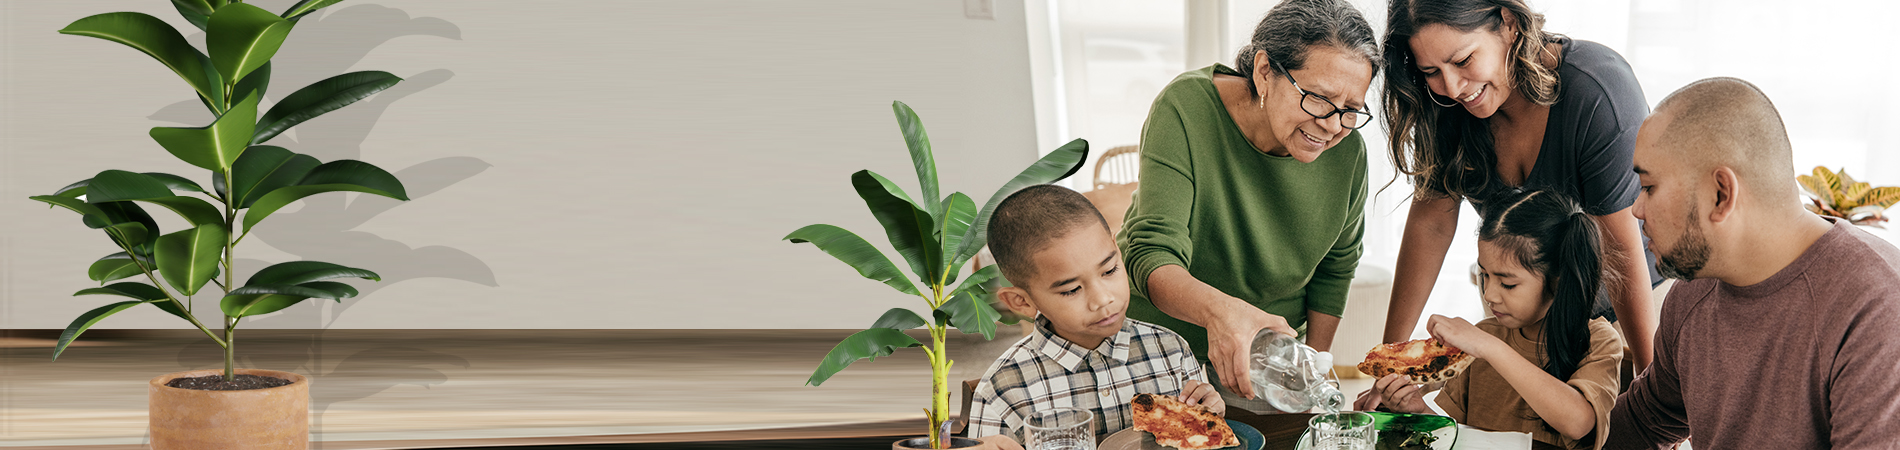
[(1475, 439)]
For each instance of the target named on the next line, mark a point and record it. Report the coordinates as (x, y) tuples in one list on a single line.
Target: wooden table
[(1282, 431)]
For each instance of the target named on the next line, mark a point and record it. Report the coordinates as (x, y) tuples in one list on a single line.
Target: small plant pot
[(924, 443), (275, 418)]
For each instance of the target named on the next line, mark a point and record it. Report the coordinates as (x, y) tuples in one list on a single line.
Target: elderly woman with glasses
[(1253, 191)]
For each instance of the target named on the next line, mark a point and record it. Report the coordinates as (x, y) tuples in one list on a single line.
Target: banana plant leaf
[(151, 36), (242, 37), (216, 146), (300, 272), (911, 230), (854, 251), (116, 266), (958, 213), (868, 344), (194, 11), (920, 153), (1056, 165), (187, 259), (899, 319), (319, 98), (334, 176), (265, 168), (969, 313), (976, 280)]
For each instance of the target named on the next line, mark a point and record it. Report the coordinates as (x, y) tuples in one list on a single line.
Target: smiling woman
[(1481, 104), (1253, 190)]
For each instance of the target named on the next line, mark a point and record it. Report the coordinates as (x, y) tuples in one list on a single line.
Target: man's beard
[(1690, 254)]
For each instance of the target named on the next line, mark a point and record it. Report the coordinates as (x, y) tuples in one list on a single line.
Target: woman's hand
[(1230, 340), (1398, 394), (1459, 333)]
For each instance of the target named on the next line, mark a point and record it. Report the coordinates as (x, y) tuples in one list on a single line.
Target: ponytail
[(1574, 278), (1551, 235)]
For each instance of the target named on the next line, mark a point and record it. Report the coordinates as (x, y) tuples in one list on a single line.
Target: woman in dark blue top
[(1481, 102)]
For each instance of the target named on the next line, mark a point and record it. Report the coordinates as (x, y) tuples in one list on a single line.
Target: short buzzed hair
[(1027, 220), (1730, 122)]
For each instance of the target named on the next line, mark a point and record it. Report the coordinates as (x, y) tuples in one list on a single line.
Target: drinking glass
[(1062, 429), (1342, 431)]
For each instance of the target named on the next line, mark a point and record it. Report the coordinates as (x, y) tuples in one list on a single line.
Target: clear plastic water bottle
[(1292, 376)]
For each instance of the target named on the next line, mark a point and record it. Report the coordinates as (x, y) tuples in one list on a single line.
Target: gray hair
[(1292, 27)]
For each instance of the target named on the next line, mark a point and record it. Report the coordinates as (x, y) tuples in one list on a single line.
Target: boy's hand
[(1459, 333), (1398, 394), (997, 442), (1198, 393), (1368, 400)]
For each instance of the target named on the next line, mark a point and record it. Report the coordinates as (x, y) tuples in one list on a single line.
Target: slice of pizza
[(1175, 424), (1424, 360)]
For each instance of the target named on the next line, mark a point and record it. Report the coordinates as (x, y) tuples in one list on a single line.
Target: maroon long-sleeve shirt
[(1807, 359)]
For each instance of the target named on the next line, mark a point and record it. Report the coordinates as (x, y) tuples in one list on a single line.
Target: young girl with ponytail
[(1544, 367)]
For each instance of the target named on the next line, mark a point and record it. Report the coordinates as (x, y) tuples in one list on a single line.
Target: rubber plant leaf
[(318, 98), (176, 183), (334, 176), (116, 266), (920, 153), (320, 291), (216, 146), (86, 321), (899, 319), (151, 36), (300, 272), (187, 259), (854, 251), (242, 305), (119, 185), (140, 291), (241, 37), (131, 235), (910, 229), (194, 210), (265, 168), (1056, 165), (303, 7), (868, 344), (91, 213)]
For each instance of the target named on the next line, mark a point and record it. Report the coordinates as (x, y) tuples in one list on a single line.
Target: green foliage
[(1840, 195), (230, 76), (935, 238)]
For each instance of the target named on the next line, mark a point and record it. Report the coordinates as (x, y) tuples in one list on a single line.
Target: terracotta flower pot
[(262, 419), (924, 443)]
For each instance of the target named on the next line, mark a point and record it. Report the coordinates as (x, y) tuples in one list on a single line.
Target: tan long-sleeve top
[(1480, 397)]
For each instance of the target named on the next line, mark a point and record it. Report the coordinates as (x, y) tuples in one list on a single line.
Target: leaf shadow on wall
[(326, 44)]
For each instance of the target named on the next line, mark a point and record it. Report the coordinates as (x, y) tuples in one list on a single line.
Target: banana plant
[(249, 180), (935, 237)]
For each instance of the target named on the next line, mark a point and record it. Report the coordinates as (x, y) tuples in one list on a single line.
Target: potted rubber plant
[(248, 181), (936, 237)]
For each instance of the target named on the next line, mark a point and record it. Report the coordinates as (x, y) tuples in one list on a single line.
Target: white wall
[(572, 164)]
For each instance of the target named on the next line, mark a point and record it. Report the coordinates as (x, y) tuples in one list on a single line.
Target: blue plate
[(1130, 439)]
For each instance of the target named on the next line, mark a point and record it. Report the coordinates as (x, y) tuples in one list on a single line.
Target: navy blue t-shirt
[(1590, 140)]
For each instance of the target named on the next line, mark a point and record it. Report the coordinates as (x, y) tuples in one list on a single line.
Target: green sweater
[(1281, 235)]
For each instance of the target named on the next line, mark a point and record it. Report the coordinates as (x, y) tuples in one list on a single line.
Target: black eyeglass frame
[(1329, 102)]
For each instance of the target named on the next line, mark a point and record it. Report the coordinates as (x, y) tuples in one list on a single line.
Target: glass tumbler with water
[(1340, 431), (1292, 376), (1061, 429)]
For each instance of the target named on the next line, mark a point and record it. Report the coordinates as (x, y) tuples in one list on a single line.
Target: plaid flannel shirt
[(1044, 371)]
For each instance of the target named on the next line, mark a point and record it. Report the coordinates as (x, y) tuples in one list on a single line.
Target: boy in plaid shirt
[(1054, 247)]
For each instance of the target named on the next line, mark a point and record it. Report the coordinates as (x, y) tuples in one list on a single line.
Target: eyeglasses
[(1320, 107)]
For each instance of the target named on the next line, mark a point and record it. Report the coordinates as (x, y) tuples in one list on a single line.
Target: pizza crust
[(1175, 424), (1423, 360)]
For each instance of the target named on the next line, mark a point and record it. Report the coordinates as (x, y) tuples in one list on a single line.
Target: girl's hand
[(1203, 395), (1368, 400), (1457, 332), (1398, 394)]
